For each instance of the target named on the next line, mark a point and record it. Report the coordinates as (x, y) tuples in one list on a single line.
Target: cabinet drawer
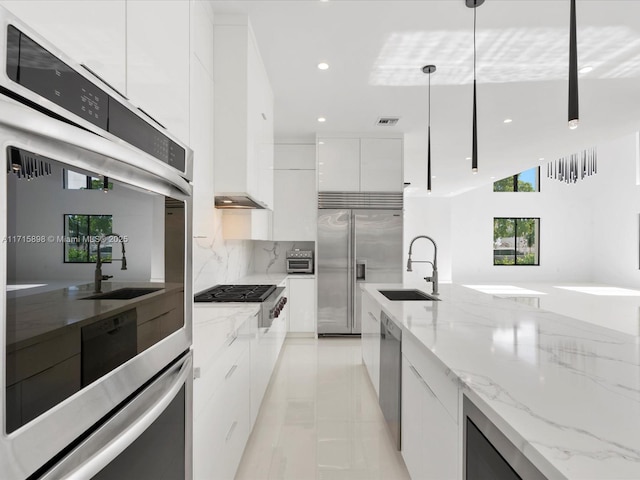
[(221, 429), (433, 373), (221, 371), (37, 358), (159, 306)]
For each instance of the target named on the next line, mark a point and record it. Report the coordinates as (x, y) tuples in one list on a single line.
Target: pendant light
[(573, 69), (474, 150), (429, 69)]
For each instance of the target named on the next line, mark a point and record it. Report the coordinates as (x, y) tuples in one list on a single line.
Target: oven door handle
[(113, 437)]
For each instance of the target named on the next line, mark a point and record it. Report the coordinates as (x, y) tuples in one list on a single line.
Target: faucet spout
[(98, 277), (434, 276)]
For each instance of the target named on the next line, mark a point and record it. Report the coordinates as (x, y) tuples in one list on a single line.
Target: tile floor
[(320, 419)]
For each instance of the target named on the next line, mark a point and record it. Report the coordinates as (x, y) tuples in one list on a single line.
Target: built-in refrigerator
[(354, 246)]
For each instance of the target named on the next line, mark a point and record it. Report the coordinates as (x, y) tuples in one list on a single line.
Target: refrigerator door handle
[(361, 270), (351, 269)]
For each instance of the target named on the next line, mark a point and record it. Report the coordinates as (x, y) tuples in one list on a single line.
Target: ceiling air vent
[(387, 121)]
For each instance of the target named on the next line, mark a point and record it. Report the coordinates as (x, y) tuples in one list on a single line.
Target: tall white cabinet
[(360, 164), (295, 194)]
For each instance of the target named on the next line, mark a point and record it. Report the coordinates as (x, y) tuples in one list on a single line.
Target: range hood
[(237, 201)]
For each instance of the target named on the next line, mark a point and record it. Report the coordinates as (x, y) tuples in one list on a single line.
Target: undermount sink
[(404, 295), (122, 294)]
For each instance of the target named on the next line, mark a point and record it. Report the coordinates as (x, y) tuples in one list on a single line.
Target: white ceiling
[(376, 49)]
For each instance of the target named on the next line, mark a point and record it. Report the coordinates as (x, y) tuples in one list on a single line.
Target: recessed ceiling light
[(467, 158), (227, 201), (507, 120), (433, 176), (586, 69), (322, 119), (323, 66), (492, 178), (541, 159)]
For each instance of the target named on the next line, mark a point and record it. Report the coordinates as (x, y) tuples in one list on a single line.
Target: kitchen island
[(565, 392)]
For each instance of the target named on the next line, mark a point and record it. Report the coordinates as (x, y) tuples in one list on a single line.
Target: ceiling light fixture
[(586, 69), (322, 119), (507, 120), (573, 70), (429, 69), (474, 148), (323, 66)]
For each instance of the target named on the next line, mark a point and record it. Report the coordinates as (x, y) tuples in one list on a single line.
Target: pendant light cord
[(429, 114), (474, 44)]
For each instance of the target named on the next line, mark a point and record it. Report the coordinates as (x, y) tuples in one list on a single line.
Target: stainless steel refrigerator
[(354, 246)]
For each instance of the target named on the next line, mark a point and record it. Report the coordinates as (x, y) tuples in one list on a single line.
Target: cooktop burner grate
[(235, 293)]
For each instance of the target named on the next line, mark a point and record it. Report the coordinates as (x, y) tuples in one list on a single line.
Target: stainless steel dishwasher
[(391, 375)]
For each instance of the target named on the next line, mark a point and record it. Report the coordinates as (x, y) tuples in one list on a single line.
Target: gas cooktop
[(235, 293)]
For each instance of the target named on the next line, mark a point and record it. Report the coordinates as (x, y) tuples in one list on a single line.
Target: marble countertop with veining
[(39, 313), (564, 391)]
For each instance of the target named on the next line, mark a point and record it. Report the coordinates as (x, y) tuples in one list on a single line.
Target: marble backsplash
[(216, 260), (270, 257)]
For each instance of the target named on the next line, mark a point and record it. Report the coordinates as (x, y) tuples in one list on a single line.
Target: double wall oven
[(95, 275)]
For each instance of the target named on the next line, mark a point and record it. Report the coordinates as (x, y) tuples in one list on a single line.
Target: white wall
[(431, 217), (589, 231), (616, 209), (40, 206)]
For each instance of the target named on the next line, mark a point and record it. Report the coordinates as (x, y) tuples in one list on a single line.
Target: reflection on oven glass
[(73, 234)]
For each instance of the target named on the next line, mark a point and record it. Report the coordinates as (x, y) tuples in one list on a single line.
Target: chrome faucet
[(434, 276), (98, 276)]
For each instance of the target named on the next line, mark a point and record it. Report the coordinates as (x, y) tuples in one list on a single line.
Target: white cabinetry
[(302, 305), (360, 164), (339, 165), (158, 61), (243, 109), (370, 324), (91, 32), (381, 165), (221, 407), (295, 195), (430, 445)]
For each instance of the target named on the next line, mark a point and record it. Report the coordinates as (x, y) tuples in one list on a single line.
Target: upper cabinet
[(295, 197), (360, 164), (91, 32), (157, 38), (243, 112)]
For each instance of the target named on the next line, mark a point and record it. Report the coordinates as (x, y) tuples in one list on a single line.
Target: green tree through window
[(527, 181), (516, 241), (81, 234)]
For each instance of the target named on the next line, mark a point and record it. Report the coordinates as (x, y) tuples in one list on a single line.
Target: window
[(516, 241), (79, 181), (527, 181), (81, 235)]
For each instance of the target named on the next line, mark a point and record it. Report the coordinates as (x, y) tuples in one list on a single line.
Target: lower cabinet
[(429, 433), (222, 407), (302, 305), (370, 325), (229, 392)]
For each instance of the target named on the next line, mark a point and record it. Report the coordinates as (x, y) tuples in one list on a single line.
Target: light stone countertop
[(565, 391), (46, 312)]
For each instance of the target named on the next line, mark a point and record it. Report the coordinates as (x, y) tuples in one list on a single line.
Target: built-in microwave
[(95, 262), (299, 261)]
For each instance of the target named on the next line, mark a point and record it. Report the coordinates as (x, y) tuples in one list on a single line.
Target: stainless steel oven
[(90, 317)]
